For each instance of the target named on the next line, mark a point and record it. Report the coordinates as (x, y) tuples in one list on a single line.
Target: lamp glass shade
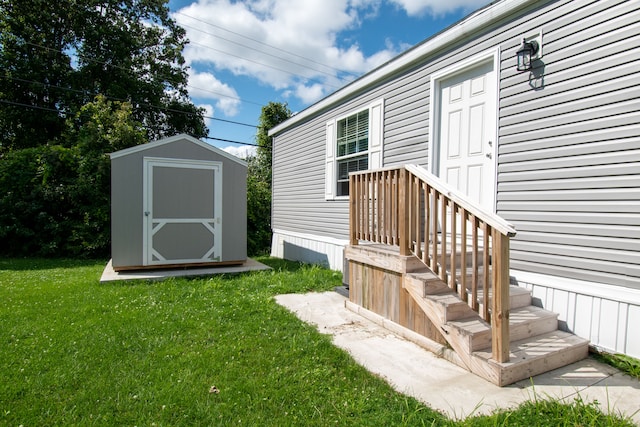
[(525, 55)]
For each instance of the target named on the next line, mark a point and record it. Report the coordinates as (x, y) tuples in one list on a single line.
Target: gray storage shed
[(175, 202)]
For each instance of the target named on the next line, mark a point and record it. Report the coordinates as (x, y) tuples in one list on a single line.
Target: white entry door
[(182, 211), (467, 133)]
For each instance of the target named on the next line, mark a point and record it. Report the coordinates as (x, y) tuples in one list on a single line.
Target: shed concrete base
[(109, 274)]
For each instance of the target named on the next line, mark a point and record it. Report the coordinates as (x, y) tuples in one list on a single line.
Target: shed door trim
[(153, 224)]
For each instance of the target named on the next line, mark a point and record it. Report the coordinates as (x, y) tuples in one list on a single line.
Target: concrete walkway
[(443, 386)]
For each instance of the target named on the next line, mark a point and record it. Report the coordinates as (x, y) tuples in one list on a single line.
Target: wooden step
[(473, 332), (452, 307), (426, 283), (524, 322), (458, 258), (534, 356), (529, 321), (518, 297)]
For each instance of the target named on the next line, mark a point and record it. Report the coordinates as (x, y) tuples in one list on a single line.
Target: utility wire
[(127, 70), (231, 141), (254, 49), (36, 107), (262, 43), (157, 107), (263, 64)]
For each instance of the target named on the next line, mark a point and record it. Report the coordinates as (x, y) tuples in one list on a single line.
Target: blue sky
[(246, 53)]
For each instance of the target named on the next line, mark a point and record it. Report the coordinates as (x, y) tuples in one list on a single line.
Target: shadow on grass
[(279, 264), (33, 264)]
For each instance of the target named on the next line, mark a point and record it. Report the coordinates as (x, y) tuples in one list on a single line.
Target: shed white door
[(467, 133), (182, 211)]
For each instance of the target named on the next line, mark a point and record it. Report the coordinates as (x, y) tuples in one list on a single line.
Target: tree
[(259, 180), (271, 115), (56, 56), (56, 197)]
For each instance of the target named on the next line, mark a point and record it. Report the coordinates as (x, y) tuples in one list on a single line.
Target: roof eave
[(472, 23)]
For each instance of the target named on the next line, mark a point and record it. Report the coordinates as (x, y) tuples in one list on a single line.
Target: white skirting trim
[(309, 248)]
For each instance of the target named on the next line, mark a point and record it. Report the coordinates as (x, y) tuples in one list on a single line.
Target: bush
[(38, 213), (56, 198)]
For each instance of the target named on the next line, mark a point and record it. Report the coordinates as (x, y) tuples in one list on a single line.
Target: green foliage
[(66, 69), (258, 215), (35, 202), (626, 364), (550, 413), (271, 115), (259, 180), (56, 198), (56, 56)]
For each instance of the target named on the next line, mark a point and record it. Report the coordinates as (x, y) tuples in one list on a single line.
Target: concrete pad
[(446, 387), (109, 275)]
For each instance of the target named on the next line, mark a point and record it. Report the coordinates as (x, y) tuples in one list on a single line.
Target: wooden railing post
[(500, 304), (403, 212), (353, 211)]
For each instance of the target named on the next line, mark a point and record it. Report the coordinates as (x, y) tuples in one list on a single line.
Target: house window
[(353, 143), (352, 146)]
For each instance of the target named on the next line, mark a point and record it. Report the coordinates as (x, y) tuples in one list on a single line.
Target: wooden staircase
[(537, 345), (427, 259)]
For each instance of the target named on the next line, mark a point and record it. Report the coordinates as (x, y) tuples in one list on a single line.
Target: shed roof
[(171, 139), (456, 32)]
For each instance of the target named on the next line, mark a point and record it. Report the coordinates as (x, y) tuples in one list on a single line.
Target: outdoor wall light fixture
[(526, 54), (530, 50)]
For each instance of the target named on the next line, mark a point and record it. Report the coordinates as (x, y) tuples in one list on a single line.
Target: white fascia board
[(474, 22), (169, 140)]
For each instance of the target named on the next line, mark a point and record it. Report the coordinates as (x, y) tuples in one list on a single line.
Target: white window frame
[(375, 150)]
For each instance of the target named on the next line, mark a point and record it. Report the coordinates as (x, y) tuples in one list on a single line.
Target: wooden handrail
[(465, 246)]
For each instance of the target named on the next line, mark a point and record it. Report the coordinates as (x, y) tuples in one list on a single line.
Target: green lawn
[(205, 351)]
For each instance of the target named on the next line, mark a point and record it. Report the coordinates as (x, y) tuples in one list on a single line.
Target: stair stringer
[(470, 336), (459, 338)]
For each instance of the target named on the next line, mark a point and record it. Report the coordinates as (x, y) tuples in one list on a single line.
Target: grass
[(626, 364), (203, 351)]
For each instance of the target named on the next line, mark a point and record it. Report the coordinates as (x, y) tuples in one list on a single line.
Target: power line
[(36, 107), (263, 64), (231, 141), (160, 108), (255, 49), (262, 43), (127, 70)]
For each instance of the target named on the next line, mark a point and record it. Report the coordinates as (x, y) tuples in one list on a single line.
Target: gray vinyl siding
[(569, 153), (568, 168)]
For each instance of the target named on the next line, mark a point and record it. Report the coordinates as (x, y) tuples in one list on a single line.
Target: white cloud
[(205, 85), (208, 112), (310, 94), (241, 152), (289, 45), (437, 7), (292, 46)]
